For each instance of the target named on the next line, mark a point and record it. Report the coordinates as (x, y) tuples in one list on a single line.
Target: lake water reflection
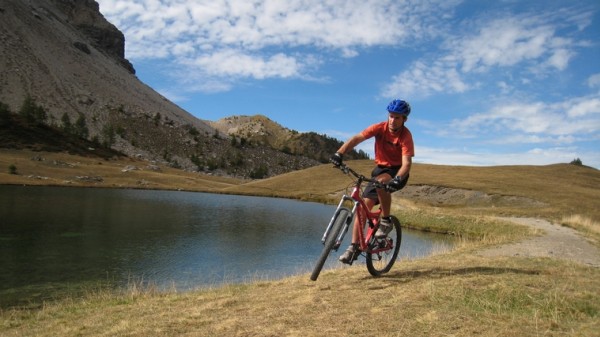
[(55, 239)]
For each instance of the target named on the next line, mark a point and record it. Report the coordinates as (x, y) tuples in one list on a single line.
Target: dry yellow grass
[(454, 293), (61, 169), (582, 223)]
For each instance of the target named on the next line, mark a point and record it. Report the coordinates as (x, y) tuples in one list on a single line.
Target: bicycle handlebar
[(346, 169)]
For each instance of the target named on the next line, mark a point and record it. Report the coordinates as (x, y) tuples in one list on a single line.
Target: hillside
[(68, 59), (262, 131), (549, 191)]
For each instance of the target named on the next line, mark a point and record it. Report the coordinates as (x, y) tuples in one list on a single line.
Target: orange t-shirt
[(389, 148)]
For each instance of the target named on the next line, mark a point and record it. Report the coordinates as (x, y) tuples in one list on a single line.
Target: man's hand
[(336, 159), (395, 184)]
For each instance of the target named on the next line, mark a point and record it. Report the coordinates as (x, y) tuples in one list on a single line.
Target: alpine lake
[(61, 241)]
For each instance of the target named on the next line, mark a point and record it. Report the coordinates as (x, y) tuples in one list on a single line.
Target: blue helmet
[(399, 106)]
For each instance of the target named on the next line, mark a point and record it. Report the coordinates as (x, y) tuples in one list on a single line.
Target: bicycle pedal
[(355, 256)]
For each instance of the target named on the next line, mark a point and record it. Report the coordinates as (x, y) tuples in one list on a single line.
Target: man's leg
[(385, 198), (385, 203), (353, 251), (357, 225)]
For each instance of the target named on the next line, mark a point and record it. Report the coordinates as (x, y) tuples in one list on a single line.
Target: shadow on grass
[(405, 276)]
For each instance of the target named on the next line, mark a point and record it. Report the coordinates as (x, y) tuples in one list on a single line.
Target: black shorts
[(371, 192)]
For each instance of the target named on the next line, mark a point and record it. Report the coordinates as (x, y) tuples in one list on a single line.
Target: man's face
[(396, 121)]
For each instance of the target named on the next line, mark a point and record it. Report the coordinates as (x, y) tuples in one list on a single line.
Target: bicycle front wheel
[(382, 253), (338, 223)]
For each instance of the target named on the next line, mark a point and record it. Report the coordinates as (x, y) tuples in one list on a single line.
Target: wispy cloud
[(579, 117), (594, 81), (464, 59), (519, 132), (533, 156)]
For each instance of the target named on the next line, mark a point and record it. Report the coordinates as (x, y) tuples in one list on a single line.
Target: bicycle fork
[(347, 222)]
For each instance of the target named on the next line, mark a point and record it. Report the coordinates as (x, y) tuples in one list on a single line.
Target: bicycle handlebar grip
[(337, 159)]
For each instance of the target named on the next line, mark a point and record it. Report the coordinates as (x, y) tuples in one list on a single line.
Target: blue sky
[(490, 82)]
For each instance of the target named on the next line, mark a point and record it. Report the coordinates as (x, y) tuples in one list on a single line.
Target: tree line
[(36, 114)]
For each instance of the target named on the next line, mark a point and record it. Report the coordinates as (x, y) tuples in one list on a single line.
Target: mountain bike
[(380, 253)]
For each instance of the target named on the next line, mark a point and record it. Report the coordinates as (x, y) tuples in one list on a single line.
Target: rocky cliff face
[(86, 17), (70, 60)]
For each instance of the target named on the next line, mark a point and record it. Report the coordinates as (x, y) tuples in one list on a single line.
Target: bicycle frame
[(360, 210)]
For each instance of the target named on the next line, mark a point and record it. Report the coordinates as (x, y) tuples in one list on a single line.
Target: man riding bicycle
[(394, 150)]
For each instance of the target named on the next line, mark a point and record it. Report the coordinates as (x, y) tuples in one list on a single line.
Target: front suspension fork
[(346, 225)]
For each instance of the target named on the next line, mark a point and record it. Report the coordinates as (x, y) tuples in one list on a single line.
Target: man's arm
[(406, 164), (398, 182), (351, 143)]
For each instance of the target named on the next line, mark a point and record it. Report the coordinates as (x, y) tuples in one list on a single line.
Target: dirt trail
[(557, 242)]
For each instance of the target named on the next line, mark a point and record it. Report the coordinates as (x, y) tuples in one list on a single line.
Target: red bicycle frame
[(365, 216)]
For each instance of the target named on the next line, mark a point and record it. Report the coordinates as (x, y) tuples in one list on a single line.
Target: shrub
[(193, 131), (32, 112), (80, 129), (4, 112), (259, 172), (12, 169), (67, 126), (4, 109), (197, 161), (109, 135), (577, 162)]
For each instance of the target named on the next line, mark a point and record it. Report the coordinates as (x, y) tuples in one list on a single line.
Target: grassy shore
[(456, 293), (453, 294)]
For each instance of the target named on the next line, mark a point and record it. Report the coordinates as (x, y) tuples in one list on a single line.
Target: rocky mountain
[(260, 130), (68, 59)]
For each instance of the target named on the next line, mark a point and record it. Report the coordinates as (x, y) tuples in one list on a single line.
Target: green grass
[(483, 229)]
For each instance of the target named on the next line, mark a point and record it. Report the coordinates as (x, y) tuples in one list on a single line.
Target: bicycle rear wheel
[(338, 223), (383, 253)]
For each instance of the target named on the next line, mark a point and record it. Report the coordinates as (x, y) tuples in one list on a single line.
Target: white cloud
[(502, 42), (231, 62), (584, 107), (594, 81), (560, 59), (259, 24), (510, 123), (349, 53), (529, 40), (269, 38), (183, 49), (423, 80), (533, 156)]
